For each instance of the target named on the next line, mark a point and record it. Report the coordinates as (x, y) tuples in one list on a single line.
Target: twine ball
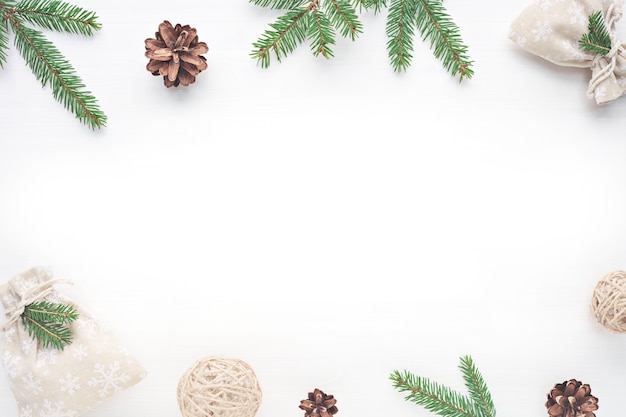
[(221, 387), (609, 301)]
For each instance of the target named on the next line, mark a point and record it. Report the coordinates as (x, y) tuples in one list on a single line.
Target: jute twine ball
[(609, 301), (221, 387)]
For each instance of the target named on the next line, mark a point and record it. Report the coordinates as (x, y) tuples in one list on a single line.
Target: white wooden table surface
[(325, 221)]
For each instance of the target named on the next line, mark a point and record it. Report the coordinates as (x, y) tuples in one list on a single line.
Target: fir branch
[(433, 396), (51, 68), (59, 16), (280, 4), (46, 311), (434, 23), (286, 34), (443, 400), (48, 323), (598, 39), (343, 16), (377, 5), (315, 20), (400, 30), (428, 17), (478, 391), (321, 34), (49, 335), (4, 41)]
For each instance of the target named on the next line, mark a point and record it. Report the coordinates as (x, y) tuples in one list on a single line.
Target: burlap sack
[(551, 29), (60, 383)]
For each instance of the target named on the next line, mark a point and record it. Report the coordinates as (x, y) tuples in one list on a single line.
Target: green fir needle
[(317, 21), (443, 400), (598, 39), (49, 323), (46, 62)]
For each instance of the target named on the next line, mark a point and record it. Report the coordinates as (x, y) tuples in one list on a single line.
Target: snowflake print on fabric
[(9, 335), (47, 382), (9, 299), (47, 357), (122, 350), (108, 379), (26, 411), (542, 30), (544, 5), (553, 30), (70, 384), (521, 40), (571, 51), (29, 282), (28, 345), (32, 384), (79, 351), (10, 364), (92, 326), (56, 409), (577, 14)]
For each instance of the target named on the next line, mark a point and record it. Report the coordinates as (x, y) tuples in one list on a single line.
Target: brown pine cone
[(175, 53), (319, 404), (571, 399)]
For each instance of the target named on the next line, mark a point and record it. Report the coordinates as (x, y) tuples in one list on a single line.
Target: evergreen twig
[(280, 4), (373, 4), (443, 400), (343, 16), (321, 34), (315, 20), (48, 323), (476, 386), (598, 39), (404, 17), (286, 34), (4, 41), (46, 62), (58, 16), (436, 25), (400, 32)]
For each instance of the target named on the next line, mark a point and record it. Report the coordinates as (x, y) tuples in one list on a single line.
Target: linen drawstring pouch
[(551, 29), (48, 382)]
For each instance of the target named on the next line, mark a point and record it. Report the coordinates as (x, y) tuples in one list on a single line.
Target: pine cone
[(571, 399), (176, 54), (319, 404)]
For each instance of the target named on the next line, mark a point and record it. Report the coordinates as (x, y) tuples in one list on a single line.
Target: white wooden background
[(325, 221)]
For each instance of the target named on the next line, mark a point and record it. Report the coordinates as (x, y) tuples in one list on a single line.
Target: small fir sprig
[(443, 400), (598, 39), (316, 20), (434, 25), (49, 323), (46, 62)]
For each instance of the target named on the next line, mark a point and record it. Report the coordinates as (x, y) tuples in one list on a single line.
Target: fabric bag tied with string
[(551, 29), (49, 382)]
